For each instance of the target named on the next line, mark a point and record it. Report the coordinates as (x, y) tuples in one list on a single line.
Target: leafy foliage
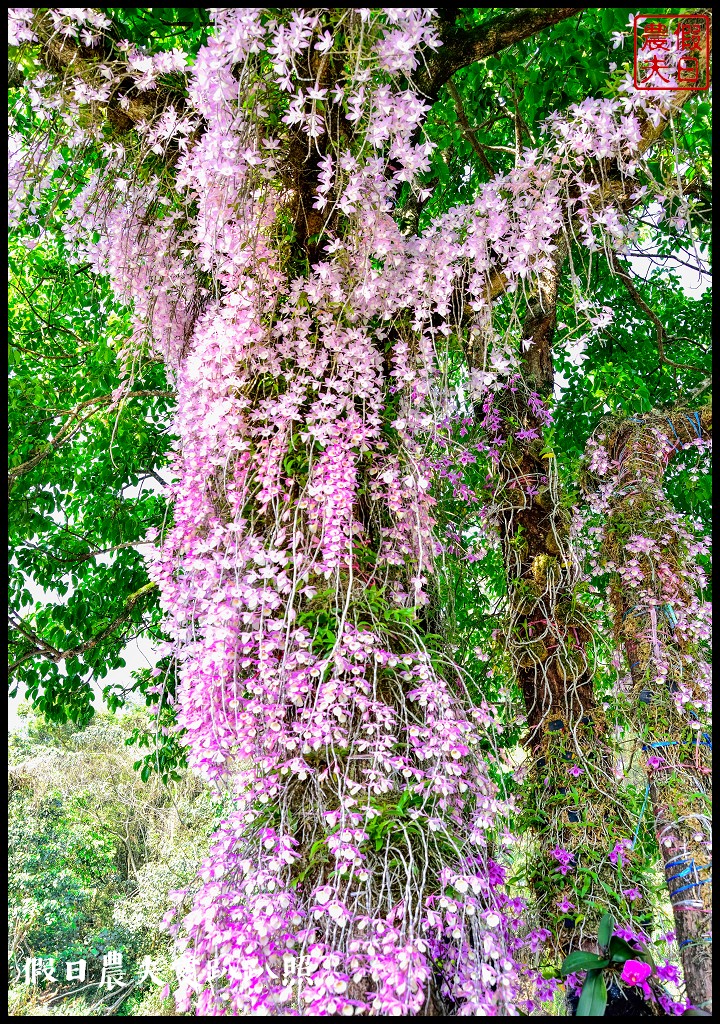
[(94, 852), (86, 476)]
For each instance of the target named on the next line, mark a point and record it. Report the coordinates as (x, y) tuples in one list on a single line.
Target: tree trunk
[(653, 621), (548, 639)]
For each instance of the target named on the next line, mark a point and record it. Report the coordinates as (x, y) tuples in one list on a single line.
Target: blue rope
[(696, 424), (673, 428), (668, 611), (684, 888), (690, 865), (681, 874), (670, 616), (686, 942), (686, 866), (674, 861), (704, 742)]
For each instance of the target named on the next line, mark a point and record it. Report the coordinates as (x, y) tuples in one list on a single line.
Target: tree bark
[(548, 639)]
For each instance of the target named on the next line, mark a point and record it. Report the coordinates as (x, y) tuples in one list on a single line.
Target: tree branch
[(84, 556), (467, 130), (643, 306), (15, 76), (611, 181), (62, 54), (71, 428), (48, 651), (461, 47), (48, 323)]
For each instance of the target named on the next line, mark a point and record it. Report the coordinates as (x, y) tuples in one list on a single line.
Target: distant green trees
[(94, 852)]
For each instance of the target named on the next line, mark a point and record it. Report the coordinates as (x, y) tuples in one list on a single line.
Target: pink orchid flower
[(636, 972)]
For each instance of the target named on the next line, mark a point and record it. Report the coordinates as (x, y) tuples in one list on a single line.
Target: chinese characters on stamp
[(671, 52)]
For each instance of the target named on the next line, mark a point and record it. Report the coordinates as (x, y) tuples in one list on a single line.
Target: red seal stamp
[(671, 52)]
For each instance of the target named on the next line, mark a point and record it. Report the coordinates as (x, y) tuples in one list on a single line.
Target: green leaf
[(579, 960), (620, 951), (609, 890), (605, 930), (593, 998)]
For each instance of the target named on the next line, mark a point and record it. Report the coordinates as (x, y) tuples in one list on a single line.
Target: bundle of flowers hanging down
[(292, 575), (304, 333)]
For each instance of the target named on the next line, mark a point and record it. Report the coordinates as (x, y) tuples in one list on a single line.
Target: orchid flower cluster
[(301, 545)]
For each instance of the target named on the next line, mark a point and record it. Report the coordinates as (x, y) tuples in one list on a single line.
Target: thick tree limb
[(461, 47), (680, 792), (611, 185), (62, 54), (610, 180)]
